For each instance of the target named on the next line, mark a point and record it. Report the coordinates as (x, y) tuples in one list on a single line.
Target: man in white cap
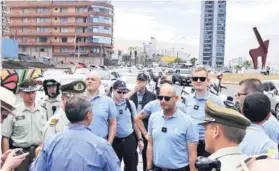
[(9, 160)]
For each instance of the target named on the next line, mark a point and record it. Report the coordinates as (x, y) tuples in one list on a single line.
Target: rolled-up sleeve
[(147, 108), (134, 109), (7, 127), (150, 122), (192, 131), (112, 109)]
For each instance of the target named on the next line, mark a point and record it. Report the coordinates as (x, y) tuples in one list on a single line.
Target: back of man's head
[(256, 107), (77, 108), (252, 85)]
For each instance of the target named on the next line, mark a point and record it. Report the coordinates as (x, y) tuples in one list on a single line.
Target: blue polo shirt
[(154, 106), (256, 142), (196, 108), (124, 120), (271, 127), (170, 147), (103, 110)]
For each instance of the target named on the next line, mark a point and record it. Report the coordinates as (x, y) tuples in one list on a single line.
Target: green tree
[(237, 68), (178, 60), (193, 61), (247, 64)]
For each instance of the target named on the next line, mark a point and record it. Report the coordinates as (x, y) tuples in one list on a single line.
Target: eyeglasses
[(167, 98), (121, 92), (202, 79), (241, 94), (245, 163)]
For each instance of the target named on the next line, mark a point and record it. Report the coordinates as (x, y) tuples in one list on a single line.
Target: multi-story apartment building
[(212, 35), (80, 31)]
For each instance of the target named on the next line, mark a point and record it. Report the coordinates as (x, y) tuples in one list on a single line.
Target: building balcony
[(30, 15), (67, 44), (68, 24), (35, 43), (46, 34), (72, 34), (66, 54), (30, 24)]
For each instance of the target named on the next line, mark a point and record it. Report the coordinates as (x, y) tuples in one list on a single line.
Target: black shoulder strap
[(131, 111)]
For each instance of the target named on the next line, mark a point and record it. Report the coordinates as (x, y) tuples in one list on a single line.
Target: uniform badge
[(79, 87), (53, 122), (196, 107), (20, 117), (120, 111)]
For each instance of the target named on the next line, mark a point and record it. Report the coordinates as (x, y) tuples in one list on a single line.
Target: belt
[(165, 169), (125, 138), (32, 147)]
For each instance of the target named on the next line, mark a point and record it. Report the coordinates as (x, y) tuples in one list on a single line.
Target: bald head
[(93, 74), (93, 81), (168, 89)]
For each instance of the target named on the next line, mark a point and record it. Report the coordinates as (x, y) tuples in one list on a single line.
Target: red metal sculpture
[(262, 50)]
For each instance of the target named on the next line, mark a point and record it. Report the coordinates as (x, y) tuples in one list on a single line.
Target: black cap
[(120, 85), (142, 76), (50, 82), (72, 88), (28, 85)]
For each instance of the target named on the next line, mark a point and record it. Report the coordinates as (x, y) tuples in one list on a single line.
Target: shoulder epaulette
[(53, 122)]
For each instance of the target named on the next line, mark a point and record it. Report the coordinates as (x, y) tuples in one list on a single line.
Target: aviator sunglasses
[(121, 92), (202, 79), (167, 98)]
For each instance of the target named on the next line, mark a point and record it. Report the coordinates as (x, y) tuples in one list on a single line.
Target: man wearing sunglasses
[(256, 107), (152, 107), (104, 118), (24, 128), (252, 85), (59, 121), (128, 135), (173, 135), (224, 130), (195, 102), (141, 96), (9, 161)]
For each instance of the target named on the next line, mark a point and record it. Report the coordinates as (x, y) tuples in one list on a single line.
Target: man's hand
[(140, 145), (4, 156), (13, 161), (137, 87), (38, 150)]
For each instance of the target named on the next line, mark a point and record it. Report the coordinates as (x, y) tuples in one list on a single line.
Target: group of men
[(87, 130)]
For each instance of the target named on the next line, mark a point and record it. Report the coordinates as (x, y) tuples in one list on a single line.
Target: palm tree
[(247, 64), (193, 61), (237, 68)]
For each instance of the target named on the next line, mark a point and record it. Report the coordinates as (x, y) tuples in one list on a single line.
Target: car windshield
[(185, 71), (83, 71)]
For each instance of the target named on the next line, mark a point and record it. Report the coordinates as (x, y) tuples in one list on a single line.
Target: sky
[(176, 23)]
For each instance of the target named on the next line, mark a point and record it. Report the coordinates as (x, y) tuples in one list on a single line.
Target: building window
[(63, 10), (24, 29), (24, 20), (42, 10), (42, 49), (63, 19), (79, 9), (64, 39), (23, 49), (96, 50), (96, 19), (42, 20), (42, 29), (25, 10), (42, 39), (79, 30), (63, 49), (24, 39), (95, 29), (63, 30), (79, 20)]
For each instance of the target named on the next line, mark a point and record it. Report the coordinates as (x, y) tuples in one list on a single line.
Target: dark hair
[(256, 107), (77, 107), (252, 85), (233, 134)]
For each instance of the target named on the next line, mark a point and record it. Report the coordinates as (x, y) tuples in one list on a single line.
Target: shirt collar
[(78, 127), (255, 126), (225, 151), (173, 116), (24, 108), (98, 96), (207, 95), (141, 94), (120, 104)]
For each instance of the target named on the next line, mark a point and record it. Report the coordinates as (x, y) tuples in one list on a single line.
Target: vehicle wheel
[(277, 111)]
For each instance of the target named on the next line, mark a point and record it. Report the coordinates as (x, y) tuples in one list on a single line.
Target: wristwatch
[(140, 139)]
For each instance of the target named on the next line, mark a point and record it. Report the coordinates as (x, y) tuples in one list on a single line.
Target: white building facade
[(212, 33)]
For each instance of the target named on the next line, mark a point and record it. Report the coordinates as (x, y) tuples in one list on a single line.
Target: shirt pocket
[(20, 129)]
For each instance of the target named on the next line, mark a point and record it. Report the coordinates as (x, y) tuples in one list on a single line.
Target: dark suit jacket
[(147, 97)]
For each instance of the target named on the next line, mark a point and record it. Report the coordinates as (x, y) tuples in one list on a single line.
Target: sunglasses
[(121, 92), (245, 163), (167, 98), (202, 79)]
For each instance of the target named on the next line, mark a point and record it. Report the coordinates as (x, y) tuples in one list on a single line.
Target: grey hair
[(233, 134), (77, 107)]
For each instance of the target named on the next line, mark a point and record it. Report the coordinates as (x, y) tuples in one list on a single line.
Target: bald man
[(104, 110), (173, 135)]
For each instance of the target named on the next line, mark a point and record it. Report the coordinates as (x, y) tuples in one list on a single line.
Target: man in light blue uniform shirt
[(104, 110), (256, 108), (195, 103), (252, 85), (127, 134), (76, 148), (173, 135)]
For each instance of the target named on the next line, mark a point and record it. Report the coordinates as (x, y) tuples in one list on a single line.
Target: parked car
[(271, 89), (182, 76)]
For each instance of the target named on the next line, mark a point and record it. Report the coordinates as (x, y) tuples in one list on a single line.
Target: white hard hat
[(7, 97)]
